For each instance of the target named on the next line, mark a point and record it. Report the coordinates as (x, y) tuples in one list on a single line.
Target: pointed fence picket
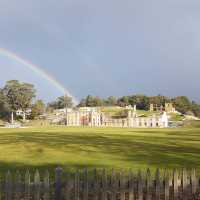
[(8, 186), (18, 186), (77, 186), (131, 191), (148, 185), (101, 185), (166, 186), (37, 185), (46, 186)]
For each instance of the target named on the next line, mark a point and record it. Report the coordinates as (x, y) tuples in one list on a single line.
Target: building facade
[(96, 118), (168, 107)]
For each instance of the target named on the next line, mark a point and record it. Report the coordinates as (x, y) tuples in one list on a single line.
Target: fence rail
[(102, 185)]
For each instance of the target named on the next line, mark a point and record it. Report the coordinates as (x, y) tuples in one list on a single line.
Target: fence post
[(131, 185), (46, 185), (67, 187), (8, 186), (85, 185), (113, 185), (148, 185), (184, 184), (37, 185), (27, 185), (193, 181), (166, 185), (76, 186), (1, 189), (175, 184), (18, 186), (104, 185), (157, 178), (140, 186), (58, 183), (122, 185), (96, 185)]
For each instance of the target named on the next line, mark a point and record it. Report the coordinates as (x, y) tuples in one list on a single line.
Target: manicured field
[(74, 148)]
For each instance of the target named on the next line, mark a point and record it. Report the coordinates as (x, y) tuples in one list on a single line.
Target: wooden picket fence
[(102, 185)]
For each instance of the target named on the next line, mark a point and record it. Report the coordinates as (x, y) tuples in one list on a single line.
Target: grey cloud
[(109, 47)]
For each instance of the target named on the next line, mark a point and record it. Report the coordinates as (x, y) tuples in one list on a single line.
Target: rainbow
[(37, 70)]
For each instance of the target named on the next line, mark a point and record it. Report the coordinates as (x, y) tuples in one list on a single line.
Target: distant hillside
[(182, 103)]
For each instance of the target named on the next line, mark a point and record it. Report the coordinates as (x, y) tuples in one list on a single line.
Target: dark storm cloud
[(109, 47)]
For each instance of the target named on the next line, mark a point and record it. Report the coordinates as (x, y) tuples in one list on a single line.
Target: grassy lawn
[(117, 111), (74, 148)]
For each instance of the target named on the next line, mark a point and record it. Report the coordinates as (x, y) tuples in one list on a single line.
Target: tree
[(65, 102), (123, 101), (19, 95), (182, 104), (159, 100), (140, 100), (82, 103), (4, 106), (195, 109), (61, 102), (52, 106), (111, 101), (97, 101), (38, 109), (91, 101)]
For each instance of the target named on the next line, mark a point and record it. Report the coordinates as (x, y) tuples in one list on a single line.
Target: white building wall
[(99, 119)]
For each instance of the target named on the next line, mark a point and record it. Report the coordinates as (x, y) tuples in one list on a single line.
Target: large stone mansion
[(94, 117)]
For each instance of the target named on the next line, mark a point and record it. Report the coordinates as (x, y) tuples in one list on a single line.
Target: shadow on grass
[(13, 167)]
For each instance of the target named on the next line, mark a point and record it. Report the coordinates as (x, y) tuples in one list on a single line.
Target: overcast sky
[(104, 47)]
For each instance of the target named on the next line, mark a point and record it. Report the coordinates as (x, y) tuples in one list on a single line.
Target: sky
[(103, 47)]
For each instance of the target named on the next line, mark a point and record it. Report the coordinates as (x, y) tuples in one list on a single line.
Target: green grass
[(113, 110), (192, 124), (176, 117), (74, 148), (1, 123), (147, 113), (118, 111)]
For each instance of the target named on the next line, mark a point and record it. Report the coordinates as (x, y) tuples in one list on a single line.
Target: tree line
[(16, 95), (182, 103)]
